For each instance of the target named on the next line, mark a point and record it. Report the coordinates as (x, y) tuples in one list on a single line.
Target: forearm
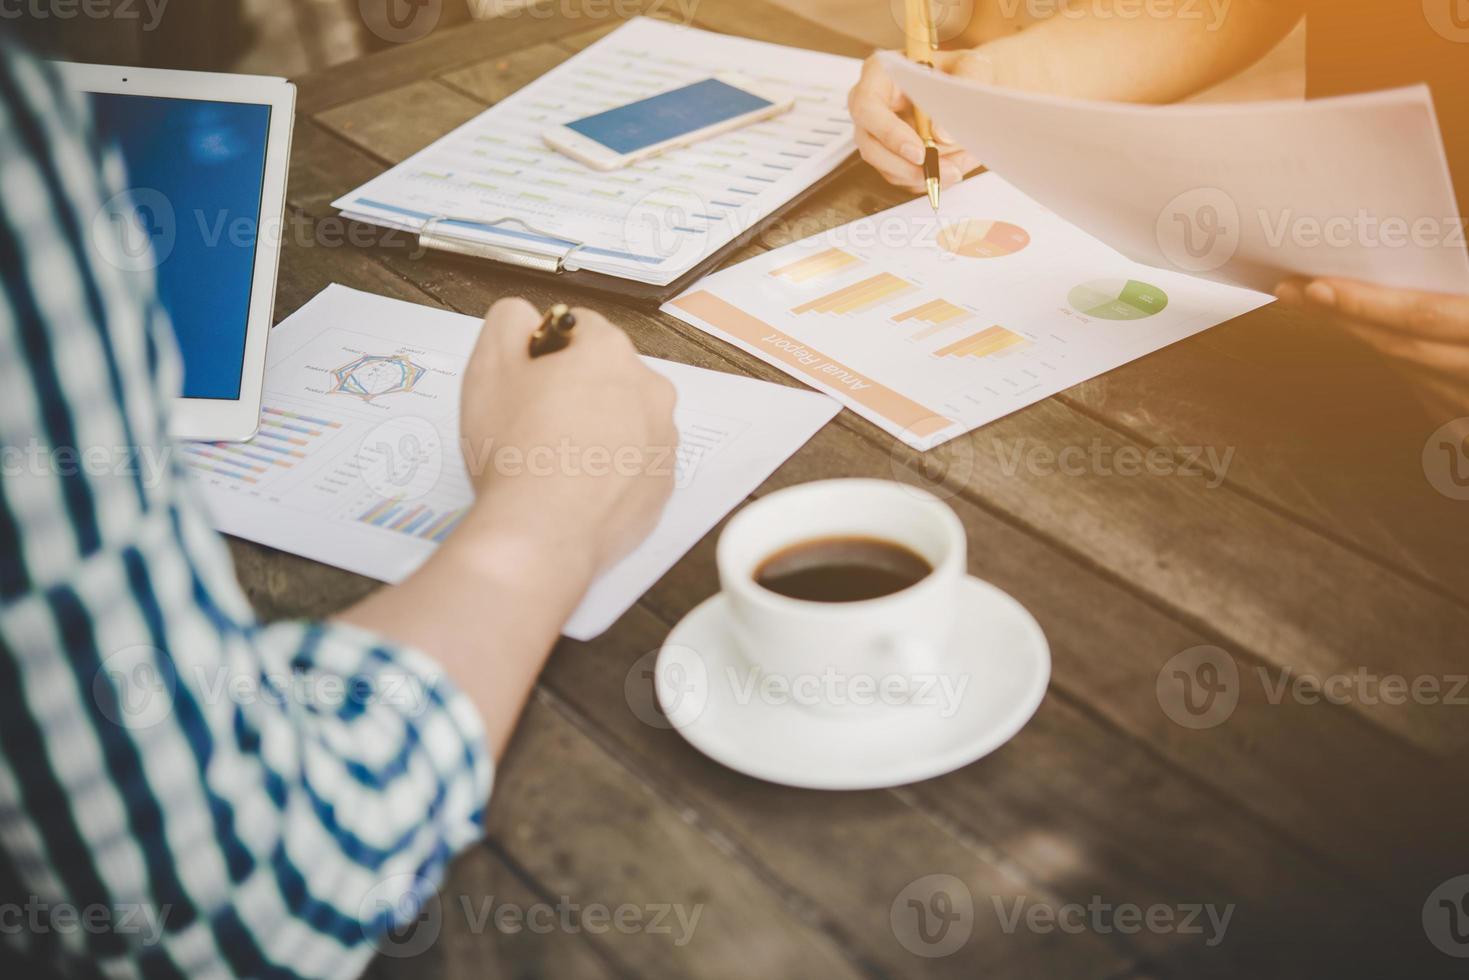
[(488, 606), (1118, 50)]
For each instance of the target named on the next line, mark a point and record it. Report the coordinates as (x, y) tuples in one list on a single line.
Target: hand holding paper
[(1353, 186)]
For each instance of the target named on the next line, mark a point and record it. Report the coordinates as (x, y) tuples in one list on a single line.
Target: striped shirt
[(184, 791)]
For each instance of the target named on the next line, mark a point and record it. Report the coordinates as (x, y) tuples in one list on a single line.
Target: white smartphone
[(638, 130)]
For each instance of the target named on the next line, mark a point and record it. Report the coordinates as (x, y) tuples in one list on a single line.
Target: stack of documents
[(358, 461), (494, 181)]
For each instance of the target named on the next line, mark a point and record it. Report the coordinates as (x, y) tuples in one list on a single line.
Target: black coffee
[(841, 569)]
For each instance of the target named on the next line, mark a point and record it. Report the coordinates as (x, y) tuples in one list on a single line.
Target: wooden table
[(1316, 552)]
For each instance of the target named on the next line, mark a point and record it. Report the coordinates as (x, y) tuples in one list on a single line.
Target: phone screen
[(632, 127)]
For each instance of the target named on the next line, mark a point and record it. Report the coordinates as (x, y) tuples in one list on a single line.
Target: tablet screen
[(196, 171)]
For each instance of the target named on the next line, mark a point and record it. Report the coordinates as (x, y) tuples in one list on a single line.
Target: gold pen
[(554, 332), (922, 38)]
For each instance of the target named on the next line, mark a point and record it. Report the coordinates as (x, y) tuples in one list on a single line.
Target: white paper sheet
[(358, 464), (1355, 186), (650, 222), (930, 327)]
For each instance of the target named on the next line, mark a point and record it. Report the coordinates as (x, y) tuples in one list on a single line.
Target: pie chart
[(1118, 299), (974, 238)]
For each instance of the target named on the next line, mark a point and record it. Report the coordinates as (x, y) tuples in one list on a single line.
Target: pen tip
[(933, 194)]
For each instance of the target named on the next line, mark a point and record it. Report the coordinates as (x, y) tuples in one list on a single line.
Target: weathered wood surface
[(1318, 549)]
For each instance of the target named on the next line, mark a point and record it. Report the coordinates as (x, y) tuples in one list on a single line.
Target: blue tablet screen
[(196, 171)]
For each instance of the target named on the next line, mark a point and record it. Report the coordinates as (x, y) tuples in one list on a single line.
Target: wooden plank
[(584, 826), (1318, 425), (493, 79), (451, 49), (480, 931), (396, 123)]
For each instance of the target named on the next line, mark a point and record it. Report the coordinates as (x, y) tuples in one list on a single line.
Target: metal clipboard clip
[(433, 235)]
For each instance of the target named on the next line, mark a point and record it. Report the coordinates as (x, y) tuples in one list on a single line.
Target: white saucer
[(997, 674)]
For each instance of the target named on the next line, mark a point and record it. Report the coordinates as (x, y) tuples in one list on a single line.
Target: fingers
[(508, 325), (874, 104), (1434, 316), (893, 168)]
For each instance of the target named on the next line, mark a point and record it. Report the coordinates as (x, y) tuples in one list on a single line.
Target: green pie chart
[(1118, 299)]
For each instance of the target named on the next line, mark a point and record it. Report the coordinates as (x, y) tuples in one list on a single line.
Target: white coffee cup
[(845, 648)]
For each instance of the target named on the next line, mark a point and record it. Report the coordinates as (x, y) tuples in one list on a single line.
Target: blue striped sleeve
[(222, 797)]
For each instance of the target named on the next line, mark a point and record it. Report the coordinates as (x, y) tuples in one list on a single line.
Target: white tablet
[(207, 158)]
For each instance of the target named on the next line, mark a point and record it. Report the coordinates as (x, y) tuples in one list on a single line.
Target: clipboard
[(561, 269)]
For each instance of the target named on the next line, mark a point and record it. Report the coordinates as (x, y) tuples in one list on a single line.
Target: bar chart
[(415, 520), (283, 440), (816, 266), (939, 314), (986, 343), (859, 297)]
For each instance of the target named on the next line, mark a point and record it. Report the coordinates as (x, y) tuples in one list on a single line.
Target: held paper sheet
[(358, 462), (1355, 186), (650, 222), (930, 327)]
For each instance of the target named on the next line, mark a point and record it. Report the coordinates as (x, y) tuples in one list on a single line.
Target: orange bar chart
[(815, 266), (939, 314), (858, 297), (986, 343)]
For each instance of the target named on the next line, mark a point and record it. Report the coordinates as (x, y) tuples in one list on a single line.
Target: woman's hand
[(885, 133), (1427, 333)]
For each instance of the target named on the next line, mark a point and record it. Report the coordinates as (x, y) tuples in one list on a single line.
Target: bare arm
[(491, 602), (1120, 50)]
